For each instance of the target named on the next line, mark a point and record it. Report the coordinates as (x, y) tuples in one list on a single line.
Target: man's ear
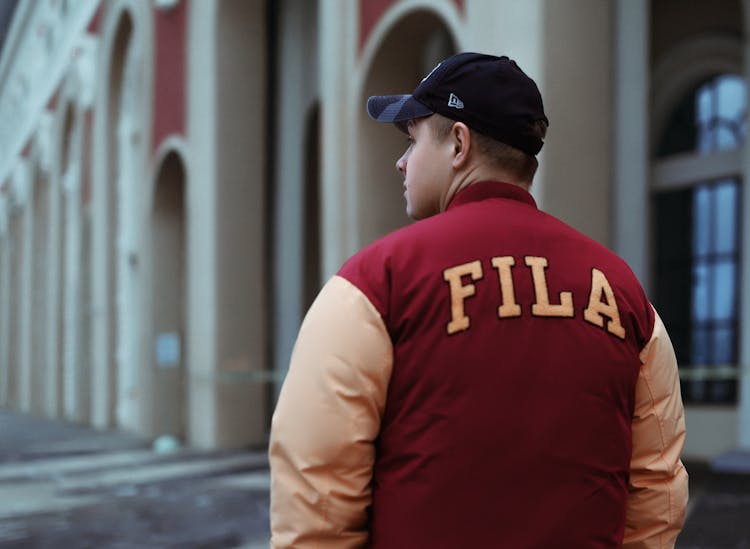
[(461, 139)]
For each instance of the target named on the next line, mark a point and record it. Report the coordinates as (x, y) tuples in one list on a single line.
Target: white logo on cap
[(454, 101), (433, 70)]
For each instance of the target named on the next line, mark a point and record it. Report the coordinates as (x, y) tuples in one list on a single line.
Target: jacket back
[(516, 345)]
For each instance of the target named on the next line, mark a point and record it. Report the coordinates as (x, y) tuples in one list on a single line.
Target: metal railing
[(709, 372)]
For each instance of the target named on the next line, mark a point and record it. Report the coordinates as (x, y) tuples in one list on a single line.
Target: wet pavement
[(65, 485)]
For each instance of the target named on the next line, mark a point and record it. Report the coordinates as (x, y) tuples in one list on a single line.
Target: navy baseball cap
[(490, 94)]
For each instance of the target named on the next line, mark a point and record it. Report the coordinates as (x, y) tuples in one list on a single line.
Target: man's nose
[(401, 165)]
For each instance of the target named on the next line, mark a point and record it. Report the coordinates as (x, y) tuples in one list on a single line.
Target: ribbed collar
[(482, 190)]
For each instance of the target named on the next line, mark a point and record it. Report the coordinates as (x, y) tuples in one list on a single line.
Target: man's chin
[(415, 216)]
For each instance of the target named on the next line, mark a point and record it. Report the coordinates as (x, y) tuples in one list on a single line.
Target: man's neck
[(475, 174)]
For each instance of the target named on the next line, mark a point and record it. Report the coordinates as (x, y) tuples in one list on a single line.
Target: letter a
[(597, 310)]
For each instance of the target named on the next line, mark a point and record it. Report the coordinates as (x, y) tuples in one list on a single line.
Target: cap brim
[(396, 108)]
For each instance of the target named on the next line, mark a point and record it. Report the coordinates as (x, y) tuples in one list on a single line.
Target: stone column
[(50, 356), (5, 267), (297, 90), (25, 270), (577, 90), (338, 26), (226, 238), (631, 162), (71, 359), (200, 340)]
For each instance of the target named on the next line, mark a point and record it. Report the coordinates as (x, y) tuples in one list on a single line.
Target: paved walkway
[(64, 485), (719, 509)]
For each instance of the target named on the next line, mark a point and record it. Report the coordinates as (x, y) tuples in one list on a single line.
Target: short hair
[(518, 163)]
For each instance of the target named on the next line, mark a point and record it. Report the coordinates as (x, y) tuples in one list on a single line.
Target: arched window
[(711, 118), (697, 196)]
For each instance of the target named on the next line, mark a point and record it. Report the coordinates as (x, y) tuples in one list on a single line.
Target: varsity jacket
[(487, 377)]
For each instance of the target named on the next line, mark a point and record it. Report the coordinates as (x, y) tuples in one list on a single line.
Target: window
[(697, 221)]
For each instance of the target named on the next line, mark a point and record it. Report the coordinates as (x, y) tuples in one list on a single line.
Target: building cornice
[(41, 46)]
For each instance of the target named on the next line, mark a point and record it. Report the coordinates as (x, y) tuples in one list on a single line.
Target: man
[(488, 376)]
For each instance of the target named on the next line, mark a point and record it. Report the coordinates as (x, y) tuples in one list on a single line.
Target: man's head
[(481, 111)]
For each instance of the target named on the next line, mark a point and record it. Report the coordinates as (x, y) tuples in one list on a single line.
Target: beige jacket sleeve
[(326, 421), (658, 480)]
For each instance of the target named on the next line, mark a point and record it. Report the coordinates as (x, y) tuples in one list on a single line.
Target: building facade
[(179, 177)]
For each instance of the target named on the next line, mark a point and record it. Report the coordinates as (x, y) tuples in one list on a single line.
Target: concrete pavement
[(719, 509), (63, 485)]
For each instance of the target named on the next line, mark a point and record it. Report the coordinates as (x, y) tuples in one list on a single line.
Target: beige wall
[(226, 211), (241, 203), (711, 431), (577, 91)]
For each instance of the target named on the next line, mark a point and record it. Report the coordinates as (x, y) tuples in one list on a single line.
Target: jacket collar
[(483, 190)]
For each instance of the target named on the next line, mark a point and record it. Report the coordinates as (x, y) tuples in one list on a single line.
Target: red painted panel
[(52, 101), (370, 12), (87, 157), (93, 27), (169, 66)]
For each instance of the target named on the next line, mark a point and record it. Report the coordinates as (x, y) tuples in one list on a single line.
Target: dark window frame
[(676, 256)]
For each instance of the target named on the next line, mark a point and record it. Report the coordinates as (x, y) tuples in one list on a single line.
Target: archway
[(40, 382), (412, 47), (168, 298)]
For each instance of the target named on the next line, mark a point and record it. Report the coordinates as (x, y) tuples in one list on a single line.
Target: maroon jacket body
[(516, 349), (515, 431)]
